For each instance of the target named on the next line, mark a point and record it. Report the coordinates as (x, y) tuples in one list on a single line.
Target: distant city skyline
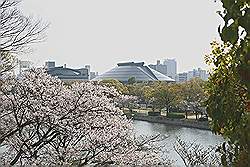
[(167, 67), (195, 73), (104, 33), (68, 74)]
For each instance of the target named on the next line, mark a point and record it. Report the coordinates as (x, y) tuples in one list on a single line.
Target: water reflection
[(203, 137)]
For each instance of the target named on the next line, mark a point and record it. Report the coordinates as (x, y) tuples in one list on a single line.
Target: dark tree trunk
[(167, 111)]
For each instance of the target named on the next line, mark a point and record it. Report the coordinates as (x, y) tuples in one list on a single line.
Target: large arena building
[(140, 72)]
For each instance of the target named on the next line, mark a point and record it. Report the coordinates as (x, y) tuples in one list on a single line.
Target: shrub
[(175, 115)]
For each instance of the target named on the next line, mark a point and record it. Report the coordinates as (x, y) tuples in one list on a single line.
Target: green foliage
[(175, 115), (147, 92), (236, 14), (131, 80), (229, 84), (154, 113), (163, 95), (136, 89), (236, 31), (116, 84), (191, 95), (158, 94), (226, 103)]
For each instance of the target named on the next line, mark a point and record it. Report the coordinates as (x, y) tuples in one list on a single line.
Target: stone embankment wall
[(177, 122)]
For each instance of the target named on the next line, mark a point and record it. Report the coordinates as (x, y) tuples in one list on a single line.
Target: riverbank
[(177, 122)]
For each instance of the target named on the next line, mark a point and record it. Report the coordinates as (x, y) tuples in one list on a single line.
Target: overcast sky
[(104, 32)]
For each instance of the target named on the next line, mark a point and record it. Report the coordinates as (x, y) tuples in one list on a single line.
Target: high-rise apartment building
[(171, 67), (88, 67), (202, 74), (159, 67), (187, 76), (181, 77), (168, 68)]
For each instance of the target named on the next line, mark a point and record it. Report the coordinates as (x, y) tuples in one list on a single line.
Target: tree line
[(185, 97)]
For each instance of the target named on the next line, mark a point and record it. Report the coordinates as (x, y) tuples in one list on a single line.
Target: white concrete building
[(159, 67), (88, 67), (171, 67), (195, 73), (142, 73), (181, 77), (168, 68)]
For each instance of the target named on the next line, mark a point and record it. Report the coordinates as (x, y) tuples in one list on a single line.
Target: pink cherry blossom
[(45, 122)]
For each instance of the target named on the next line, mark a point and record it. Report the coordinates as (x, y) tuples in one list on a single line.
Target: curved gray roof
[(68, 73), (63, 71), (141, 73)]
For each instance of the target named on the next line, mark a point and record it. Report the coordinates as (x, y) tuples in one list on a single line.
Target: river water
[(204, 137)]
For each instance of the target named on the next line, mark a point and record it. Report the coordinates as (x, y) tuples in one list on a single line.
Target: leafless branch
[(17, 31), (193, 154)]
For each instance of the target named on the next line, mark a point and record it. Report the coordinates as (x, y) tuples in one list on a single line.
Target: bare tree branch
[(17, 33), (193, 154)]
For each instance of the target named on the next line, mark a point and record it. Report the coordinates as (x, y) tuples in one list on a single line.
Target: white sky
[(104, 32)]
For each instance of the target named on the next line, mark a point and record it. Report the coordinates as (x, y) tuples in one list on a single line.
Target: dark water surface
[(203, 137)]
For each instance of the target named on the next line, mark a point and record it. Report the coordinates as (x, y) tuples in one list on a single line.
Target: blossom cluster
[(45, 122)]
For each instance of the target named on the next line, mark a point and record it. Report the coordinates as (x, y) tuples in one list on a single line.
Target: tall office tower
[(171, 67), (159, 67), (202, 74), (197, 74), (181, 77), (190, 75)]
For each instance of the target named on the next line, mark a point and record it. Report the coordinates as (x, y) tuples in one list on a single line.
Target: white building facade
[(171, 67), (168, 68), (195, 73)]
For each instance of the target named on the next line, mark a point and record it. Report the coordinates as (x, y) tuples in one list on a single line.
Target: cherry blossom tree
[(44, 122), (128, 101)]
